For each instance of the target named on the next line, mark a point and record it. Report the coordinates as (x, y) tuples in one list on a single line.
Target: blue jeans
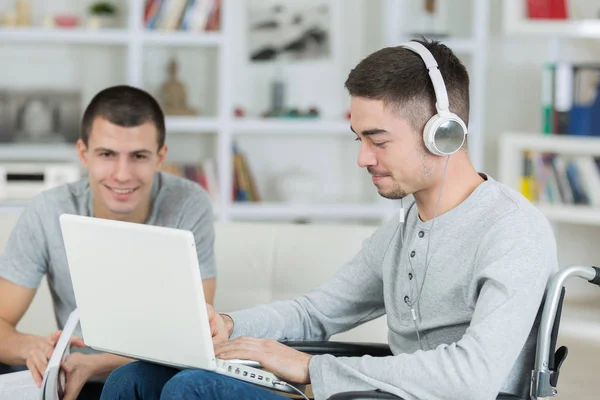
[(142, 380)]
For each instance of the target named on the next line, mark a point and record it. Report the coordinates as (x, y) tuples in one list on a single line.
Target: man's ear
[(82, 152), (162, 153)]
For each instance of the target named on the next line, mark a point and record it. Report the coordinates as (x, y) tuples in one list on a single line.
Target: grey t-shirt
[(35, 247)]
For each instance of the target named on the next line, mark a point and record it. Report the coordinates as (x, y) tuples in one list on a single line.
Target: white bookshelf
[(192, 125), (513, 144), (572, 214), (512, 147), (293, 126), (515, 22), (16, 152), (224, 126), (166, 38), (64, 36)]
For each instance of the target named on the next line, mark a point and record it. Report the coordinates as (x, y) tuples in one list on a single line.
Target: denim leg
[(7, 369), (137, 380), (204, 385)]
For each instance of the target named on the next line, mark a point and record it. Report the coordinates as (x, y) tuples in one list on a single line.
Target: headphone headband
[(445, 132), (437, 80)]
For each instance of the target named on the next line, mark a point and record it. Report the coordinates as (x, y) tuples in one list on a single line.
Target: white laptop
[(139, 293)]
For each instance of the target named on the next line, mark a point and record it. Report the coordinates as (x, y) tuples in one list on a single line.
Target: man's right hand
[(39, 352), (220, 326)]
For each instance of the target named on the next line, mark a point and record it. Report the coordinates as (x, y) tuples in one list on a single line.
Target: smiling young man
[(460, 275), (122, 146)]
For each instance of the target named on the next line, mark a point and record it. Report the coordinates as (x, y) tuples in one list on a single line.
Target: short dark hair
[(399, 78), (125, 106)]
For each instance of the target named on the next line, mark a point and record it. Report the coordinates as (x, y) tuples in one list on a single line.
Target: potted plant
[(103, 14)]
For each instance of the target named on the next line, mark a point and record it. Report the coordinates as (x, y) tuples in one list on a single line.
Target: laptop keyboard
[(252, 375)]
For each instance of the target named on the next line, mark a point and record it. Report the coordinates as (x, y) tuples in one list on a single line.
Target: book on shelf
[(203, 174), (244, 186), (569, 97), (184, 15), (550, 178), (20, 385)]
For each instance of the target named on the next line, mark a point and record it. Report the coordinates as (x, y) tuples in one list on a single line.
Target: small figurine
[(173, 94)]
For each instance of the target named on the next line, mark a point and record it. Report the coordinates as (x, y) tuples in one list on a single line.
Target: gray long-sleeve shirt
[(489, 261)]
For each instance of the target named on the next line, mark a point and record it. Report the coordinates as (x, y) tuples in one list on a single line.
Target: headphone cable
[(413, 303)]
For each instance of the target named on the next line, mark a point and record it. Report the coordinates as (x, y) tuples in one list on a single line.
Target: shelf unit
[(224, 126), (64, 36), (395, 18), (512, 146), (207, 39), (287, 127), (515, 22), (192, 125), (15, 152)]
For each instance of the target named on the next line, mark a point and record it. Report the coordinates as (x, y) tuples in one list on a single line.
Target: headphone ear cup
[(445, 135)]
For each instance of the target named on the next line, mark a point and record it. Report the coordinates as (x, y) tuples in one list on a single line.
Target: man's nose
[(366, 158), (122, 171)]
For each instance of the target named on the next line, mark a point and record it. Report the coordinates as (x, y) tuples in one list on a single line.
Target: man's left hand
[(78, 368), (288, 364)]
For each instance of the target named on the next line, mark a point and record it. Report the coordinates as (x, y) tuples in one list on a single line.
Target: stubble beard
[(396, 193)]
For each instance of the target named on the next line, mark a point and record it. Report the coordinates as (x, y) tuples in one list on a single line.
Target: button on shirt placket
[(416, 246)]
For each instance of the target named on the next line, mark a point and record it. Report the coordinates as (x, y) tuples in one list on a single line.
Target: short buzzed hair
[(125, 106), (399, 78)]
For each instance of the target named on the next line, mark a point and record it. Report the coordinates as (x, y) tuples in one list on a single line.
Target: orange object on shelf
[(547, 9)]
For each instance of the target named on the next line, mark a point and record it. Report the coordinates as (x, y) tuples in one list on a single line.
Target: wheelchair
[(544, 376)]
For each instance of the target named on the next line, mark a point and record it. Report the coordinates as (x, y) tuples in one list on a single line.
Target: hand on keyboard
[(218, 328), (285, 362)]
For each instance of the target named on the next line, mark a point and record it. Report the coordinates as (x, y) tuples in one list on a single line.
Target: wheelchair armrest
[(544, 377), (364, 395), (341, 349)]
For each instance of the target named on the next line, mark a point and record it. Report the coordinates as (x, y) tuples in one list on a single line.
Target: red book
[(547, 9)]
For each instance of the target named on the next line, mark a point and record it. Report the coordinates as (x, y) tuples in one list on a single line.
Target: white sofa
[(257, 263)]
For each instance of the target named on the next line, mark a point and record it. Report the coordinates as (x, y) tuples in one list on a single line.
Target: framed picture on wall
[(296, 30), (39, 116)]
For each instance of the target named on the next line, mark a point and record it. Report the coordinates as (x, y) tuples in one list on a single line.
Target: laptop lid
[(139, 291)]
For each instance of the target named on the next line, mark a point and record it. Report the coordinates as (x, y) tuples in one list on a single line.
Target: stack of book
[(186, 15), (204, 174), (244, 187), (570, 101), (561, 179)]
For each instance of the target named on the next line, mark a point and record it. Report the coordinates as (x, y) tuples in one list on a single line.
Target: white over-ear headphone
[(445, 132)]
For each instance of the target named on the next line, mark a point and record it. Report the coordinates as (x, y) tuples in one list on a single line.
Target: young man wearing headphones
[(460, 275)]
